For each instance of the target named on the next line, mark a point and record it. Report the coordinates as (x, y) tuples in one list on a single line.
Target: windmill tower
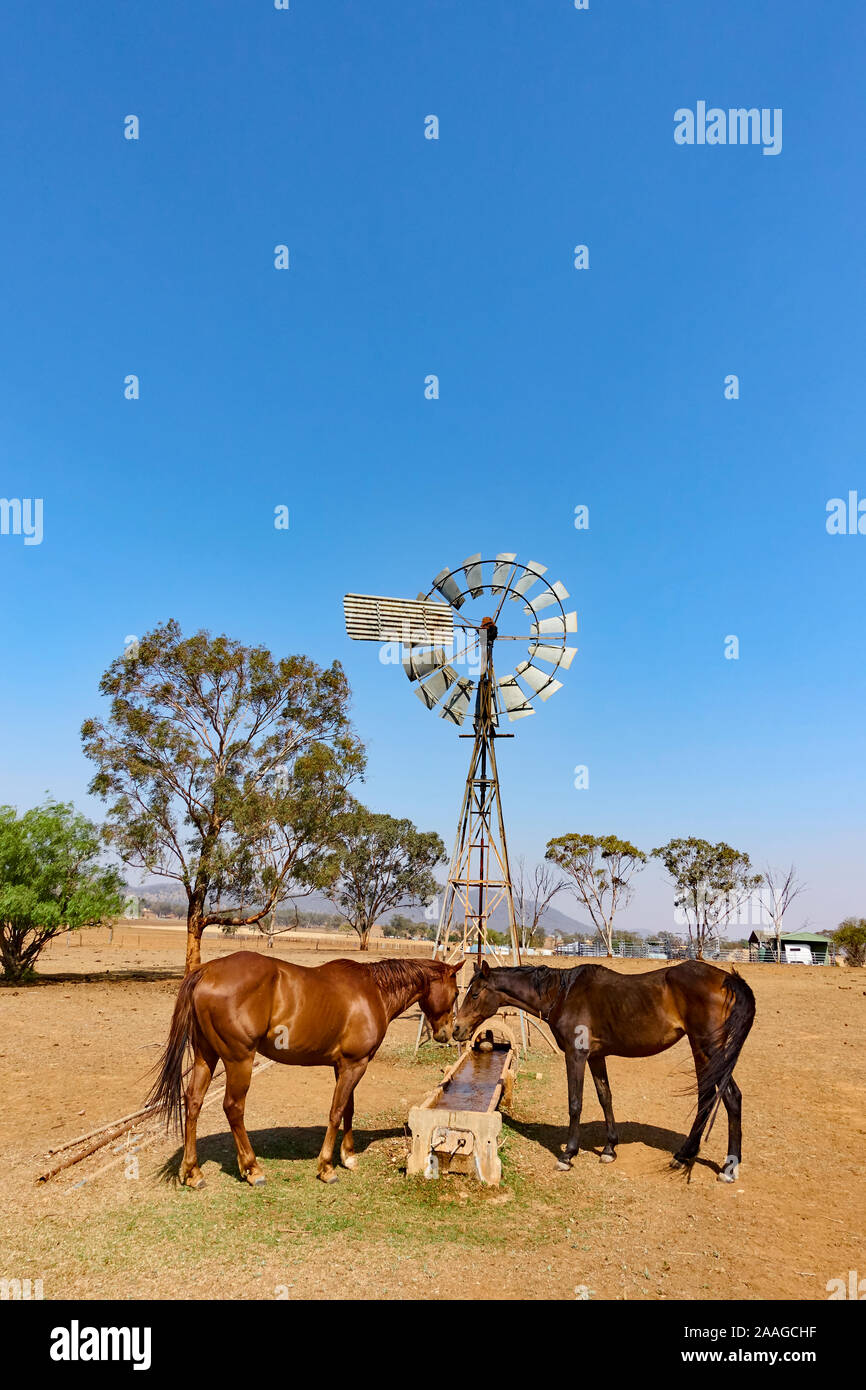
[(436, 638)]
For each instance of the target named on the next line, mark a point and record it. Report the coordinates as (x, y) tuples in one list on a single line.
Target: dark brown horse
[(333, 1015), (596, 1013)]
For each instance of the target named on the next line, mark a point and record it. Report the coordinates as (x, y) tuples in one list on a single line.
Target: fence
[(334, 942), (642, 950), (647, 950), (171, 937)]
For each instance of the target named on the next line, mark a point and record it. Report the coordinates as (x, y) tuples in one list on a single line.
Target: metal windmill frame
[(479, 877)]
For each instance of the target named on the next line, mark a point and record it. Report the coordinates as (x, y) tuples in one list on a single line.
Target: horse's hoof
[(194, 1184), (350, 1161), (562, 1166), (258, 1181), (332, 1176), (677, 1164), (608, 1158), (725, 1177)]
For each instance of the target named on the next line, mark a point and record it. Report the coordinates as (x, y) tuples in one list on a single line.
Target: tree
[(401, 927), (851, 936), (51, 880), (710, 882), (224, 769), (380, 863), (533, 894), (498, 938), (778, 891), (601, 867)]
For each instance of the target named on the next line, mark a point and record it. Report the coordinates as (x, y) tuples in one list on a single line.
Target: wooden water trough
[(456, 1127)]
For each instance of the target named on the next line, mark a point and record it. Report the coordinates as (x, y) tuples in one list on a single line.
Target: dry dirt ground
[(74, 1050)]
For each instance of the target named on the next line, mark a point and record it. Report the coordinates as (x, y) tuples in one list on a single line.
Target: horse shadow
[(122, 975), (593, 1137), (289, 1142)]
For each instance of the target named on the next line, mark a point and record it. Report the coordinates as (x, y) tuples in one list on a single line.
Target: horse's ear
[(456, 968), (485, 969)]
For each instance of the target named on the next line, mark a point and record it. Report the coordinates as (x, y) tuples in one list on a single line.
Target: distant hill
[(165, 894), (552, 921)]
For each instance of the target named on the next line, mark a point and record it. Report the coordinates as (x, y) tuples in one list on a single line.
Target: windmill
[(462, 621)]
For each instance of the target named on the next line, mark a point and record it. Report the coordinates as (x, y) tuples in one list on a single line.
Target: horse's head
[(437, 1001), (480, 1002)]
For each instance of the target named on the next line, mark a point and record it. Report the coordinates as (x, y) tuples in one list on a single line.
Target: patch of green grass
[(432, 1057), (169, 1233), (162, 1238)]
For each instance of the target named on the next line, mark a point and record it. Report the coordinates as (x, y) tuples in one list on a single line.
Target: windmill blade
[(419, 662), (448, 588), (524, 584), (541, 682), (516, 704), (474, 577), (559, 656), (504, 560), (557, 593), (432, 690), (457, 704), (558, 626)]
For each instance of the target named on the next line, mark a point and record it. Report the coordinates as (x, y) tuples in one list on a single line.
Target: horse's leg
[(575, 1066), (348, 1076), (202, 1072), (732, 1097), (688, 1151), (598, 1067), (237, 1084), (348, 1157)]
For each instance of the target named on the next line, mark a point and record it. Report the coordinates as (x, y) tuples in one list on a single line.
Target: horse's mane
[(394, 976), (545, 977)]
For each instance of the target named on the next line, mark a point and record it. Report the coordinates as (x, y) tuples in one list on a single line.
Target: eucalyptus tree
[(601, 868), (224, 769), (380, 863), (710, 884)]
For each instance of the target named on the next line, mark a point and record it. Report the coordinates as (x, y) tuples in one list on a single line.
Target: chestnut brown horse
[(596, 1013), (331, 1015)]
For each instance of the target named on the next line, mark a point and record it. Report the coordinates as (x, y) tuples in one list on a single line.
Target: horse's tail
[(734, 1031), (166, 1096)]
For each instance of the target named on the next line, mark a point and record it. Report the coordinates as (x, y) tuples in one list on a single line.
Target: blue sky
[(558, 387)]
